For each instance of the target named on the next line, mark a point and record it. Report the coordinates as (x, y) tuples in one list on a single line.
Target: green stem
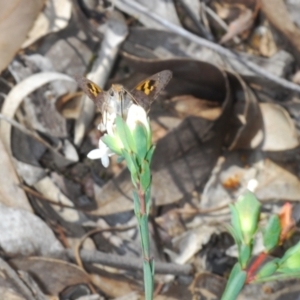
[(254, 267), (148, 265)]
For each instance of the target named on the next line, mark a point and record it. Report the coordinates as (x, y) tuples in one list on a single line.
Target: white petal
[(95, 154), (105, 161), (103, 153), (137, 114), (102, 145)]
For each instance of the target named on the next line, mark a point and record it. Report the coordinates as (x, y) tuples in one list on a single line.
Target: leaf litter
[(228, 119)]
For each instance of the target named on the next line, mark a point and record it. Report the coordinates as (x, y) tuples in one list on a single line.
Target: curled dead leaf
[(16, 19)]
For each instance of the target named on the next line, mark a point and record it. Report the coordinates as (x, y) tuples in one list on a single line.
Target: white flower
[(136, 115), (103, 152)]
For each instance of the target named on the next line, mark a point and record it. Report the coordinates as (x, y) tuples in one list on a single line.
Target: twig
[(205, 43), (220, 22), (197, 23), (38, 294), (8, 272), (133, 264), (203, 16), (96, 230)]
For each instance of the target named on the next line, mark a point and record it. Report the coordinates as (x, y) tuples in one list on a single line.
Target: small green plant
[(245, 215), (131, 140)]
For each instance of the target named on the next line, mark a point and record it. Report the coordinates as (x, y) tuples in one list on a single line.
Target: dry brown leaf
[(130, 296), (49, 189), (114, 286), (69, 106), (9, 294), (246, 120), (16, 19), (239, 25), (10, 192), (192, 106), (208, 286), (17, 95), (277, 14), (276, 182), (53, 275), (279, 129), (262, 39), (54, 17), (12, 103)]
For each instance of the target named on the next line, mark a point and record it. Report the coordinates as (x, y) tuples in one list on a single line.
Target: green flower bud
[(248, 210)]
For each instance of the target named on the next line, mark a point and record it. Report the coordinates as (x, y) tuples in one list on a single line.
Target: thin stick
[(220, 22), (96, 230), (132, 264), (196, 22)]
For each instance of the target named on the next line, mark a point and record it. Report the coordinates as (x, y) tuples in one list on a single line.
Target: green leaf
[(148, 199), (145, 175), (136, 204), (233, 233), (125, 135), (267, 270), (235, 270), (271, 233), (112, 143), (150, 154), (120, 159), (153, 266), (145, 235), (291, 258), (132, 167), (235, 283), (244, 255), (134, 179), (289, 271), (235, 221), (130, 161), (140, 139), (278, 276)]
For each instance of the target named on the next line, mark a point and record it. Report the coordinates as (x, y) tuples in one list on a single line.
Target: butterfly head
[(116, 92)]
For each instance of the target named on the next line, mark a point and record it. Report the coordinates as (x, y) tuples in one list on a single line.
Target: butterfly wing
[(93, 91), (148, 90)]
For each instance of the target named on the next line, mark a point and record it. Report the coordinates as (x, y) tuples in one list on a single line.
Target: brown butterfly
[(118, 99)]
